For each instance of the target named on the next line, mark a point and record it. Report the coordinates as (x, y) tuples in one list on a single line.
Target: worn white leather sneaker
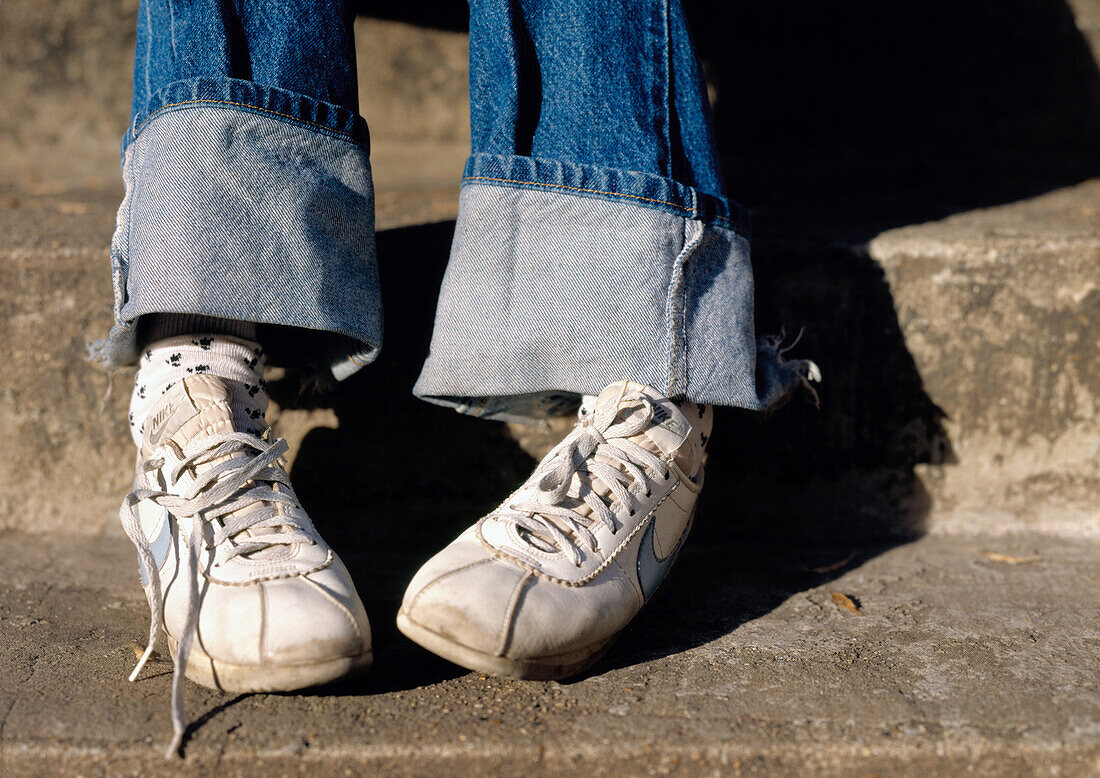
[(250, 597), (539, 587)]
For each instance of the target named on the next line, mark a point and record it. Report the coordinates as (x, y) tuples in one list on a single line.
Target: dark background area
[(835, 121)]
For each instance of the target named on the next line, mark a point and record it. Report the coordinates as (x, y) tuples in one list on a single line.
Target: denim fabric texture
[(584, 287), (255, 218), (610, 84), (304, 47), (594, 240)]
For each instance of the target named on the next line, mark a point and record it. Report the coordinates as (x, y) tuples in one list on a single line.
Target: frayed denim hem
[(550, 294), (241, 214)]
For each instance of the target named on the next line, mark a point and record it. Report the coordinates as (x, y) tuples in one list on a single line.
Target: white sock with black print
[(169, 360)]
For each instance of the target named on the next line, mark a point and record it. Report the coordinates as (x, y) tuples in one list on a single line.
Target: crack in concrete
[(3, 723)]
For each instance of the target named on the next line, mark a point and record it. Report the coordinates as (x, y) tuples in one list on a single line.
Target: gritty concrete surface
[(1000, 308), (965, 655)]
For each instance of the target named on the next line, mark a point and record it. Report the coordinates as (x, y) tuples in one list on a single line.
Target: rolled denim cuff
[(564, 278), (251, 203)]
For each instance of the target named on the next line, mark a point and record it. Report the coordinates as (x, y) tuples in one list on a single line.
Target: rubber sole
[(548, 668), (230, 677)]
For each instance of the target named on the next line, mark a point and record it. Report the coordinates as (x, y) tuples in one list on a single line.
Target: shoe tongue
[(668, 429), (196, 406)]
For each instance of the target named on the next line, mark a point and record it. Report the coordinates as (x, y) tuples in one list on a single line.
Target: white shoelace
[(241, 480), (594, 447)]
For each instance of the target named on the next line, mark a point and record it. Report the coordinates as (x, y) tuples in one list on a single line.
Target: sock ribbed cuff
[(154, 327)]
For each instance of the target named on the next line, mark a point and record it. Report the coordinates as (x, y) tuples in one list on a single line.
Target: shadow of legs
[(786, 495)]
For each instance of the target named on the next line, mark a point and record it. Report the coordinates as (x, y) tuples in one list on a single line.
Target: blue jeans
[(594, 241)]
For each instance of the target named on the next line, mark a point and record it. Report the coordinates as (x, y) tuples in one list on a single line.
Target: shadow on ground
[(834, 124), (771, 523)]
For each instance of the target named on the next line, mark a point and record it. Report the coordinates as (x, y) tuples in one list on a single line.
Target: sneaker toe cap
[(467, 601), (306, 621), (552, 619), (288, 621)]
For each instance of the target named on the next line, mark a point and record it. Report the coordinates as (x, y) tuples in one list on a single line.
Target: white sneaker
[(249, 595), (539, 588)]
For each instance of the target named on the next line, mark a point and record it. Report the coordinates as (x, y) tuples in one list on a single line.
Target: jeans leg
[(594, 240), (248, 186)]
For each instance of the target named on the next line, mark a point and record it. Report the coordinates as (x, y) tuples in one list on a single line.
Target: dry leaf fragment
[(156, 656), (1012, 560), (844, 601)]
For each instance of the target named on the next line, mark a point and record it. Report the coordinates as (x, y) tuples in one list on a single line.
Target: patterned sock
[(167, 361)]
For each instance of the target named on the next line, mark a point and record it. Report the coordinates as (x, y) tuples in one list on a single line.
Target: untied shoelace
[(224, 488)]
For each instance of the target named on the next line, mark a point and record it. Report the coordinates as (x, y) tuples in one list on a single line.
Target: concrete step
[(960, 389), (1000, 309), (960, 384), (965, 655), (960, 374)]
